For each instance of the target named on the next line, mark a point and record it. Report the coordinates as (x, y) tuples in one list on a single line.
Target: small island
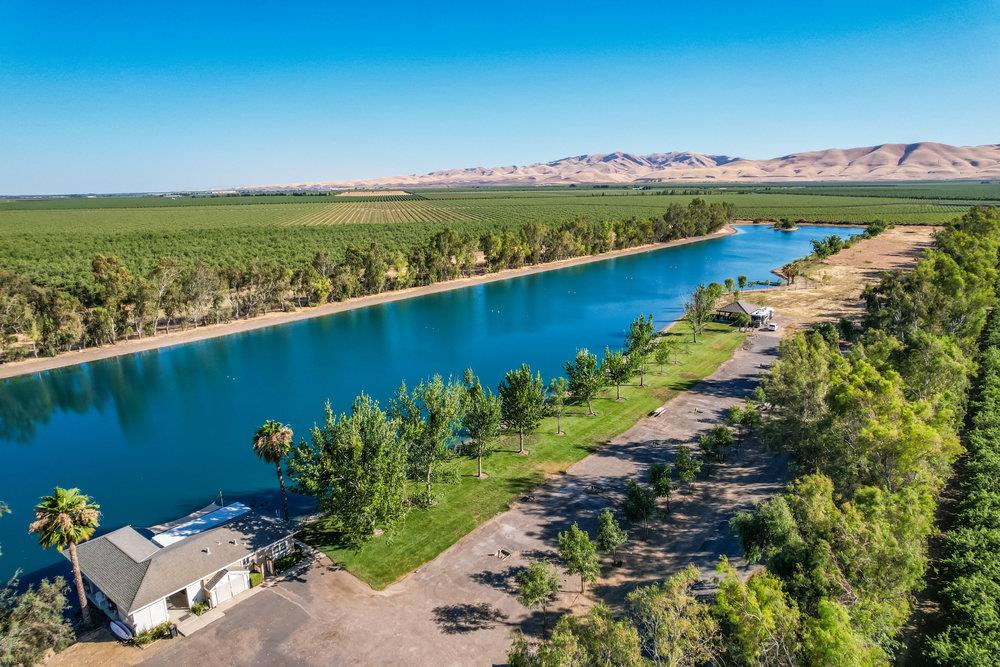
[(785, 225)]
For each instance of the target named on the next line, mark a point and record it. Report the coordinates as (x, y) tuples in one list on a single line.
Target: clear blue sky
[(137, 96)]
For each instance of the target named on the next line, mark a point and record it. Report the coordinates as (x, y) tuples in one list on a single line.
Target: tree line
[(969, 588), (367, 467), (120, 303), (870, 418)]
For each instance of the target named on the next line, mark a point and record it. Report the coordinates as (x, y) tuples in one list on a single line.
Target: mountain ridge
[(881, 162)]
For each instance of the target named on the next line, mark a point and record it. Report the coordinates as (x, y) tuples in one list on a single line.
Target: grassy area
[(467, 502)]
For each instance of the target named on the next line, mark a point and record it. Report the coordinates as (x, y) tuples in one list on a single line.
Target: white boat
[(121, 630)]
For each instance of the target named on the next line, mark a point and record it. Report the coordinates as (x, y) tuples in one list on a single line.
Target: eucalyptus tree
[(610, 535), (523, 398), (586, 378), (429, 417), (271, 443), (64, 520)]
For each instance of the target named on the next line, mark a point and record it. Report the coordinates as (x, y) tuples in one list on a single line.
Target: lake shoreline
[(163, 340)]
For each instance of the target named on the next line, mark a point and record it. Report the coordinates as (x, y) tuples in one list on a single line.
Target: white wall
[(149, 616), (195, 593)]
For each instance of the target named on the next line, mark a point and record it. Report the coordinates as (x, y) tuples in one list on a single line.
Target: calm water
[(154, 435)]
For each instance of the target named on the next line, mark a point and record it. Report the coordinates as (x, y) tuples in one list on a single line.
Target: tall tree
[(618, 368), (64, 520), (760, 625), (271, 444), (538, 586), (523, 397), (639, 343), (579, 555), (610, 536), (674, 626), (429, 417), (586, 378), (356, 465), (482, 416), (700, 306), (686, 465), (33, 622), (558, 392), (639, 504)]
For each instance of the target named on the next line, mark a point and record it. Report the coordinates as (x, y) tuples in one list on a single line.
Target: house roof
[(738, 307), (134, 572)]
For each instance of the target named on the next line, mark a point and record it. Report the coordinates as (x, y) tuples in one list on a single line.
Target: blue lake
[(155, 435)]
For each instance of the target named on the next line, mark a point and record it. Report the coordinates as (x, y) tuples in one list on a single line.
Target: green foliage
[(686, 465), (715, 444), (639, 344), (558, 393), (586, 378), (674, 627), (522, 398), (660, 479), (699, 308), (610, 536), (291, 559), (33, 622), (356, 466), (618, 369), (639, 504), (199, 608), (579, 555), (429, 418), (256, 579), (595, 639), (970, 594), (760, 625), (150, 635), (829, 639), (538, 585), (483, 413)]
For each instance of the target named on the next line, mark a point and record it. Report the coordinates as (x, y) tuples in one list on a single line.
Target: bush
[(199, 608), (146, 637), (255, 579), (288, 560)]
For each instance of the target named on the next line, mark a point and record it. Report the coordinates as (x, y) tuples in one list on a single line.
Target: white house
[(204, 557)]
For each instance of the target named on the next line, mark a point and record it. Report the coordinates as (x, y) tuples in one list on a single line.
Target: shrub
[(288, 560), (255, 579), (146, 637), (199, 608)]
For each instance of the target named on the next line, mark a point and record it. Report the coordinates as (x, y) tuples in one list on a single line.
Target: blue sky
[(116, 97)]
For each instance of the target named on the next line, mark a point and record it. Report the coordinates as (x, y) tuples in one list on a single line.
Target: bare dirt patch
[(830, 288)]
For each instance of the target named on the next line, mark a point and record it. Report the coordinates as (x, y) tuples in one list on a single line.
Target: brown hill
[(885, 162)]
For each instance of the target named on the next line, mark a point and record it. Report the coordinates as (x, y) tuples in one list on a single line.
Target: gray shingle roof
[(738, 307), (132, 584)]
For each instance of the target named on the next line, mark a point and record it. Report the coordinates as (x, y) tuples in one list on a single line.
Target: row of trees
[(970, 581), (872, 434), (121, 303), (368, 466)]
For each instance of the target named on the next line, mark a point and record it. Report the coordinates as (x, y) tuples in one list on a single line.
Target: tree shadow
[(456, 619)]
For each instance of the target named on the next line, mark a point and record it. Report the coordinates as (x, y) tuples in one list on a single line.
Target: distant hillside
[(886, 162)]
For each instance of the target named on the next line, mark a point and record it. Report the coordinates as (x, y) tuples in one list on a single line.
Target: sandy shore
[(27, 366)]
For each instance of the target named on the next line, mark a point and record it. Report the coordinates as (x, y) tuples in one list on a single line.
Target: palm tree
[(63, 520), (271, 442)]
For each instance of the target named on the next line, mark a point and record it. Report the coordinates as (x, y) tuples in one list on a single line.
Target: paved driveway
[(459, 609)]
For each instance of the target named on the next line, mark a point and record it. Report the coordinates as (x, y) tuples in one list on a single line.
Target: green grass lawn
[(466, 502)]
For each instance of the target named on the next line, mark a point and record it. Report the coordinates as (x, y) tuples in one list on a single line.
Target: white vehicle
[(772, 327)]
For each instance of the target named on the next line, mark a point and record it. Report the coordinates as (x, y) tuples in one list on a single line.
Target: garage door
[(223, 591)]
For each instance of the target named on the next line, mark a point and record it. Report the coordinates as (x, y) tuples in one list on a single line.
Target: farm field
[(52, 241)]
